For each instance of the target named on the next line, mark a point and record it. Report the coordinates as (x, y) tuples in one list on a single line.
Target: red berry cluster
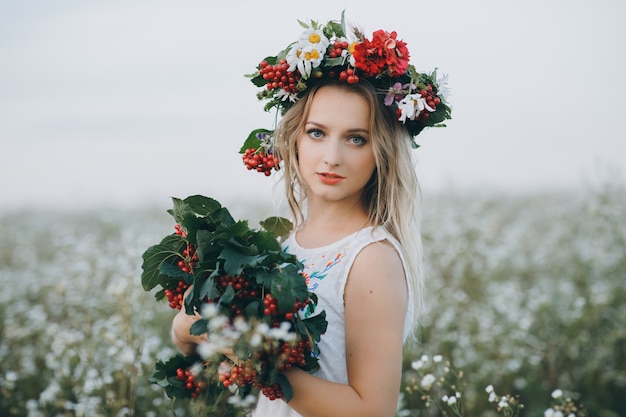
[(430, 95), (239, 375), (277, 76), (239, 283), (288, 356), (270, 305), (243, 374), (273, 392), (260, 160), (242, 289), (349, 75), (337, 48), (191, 385), (175, 296), (180, 231), (190, 259), (293, 355)]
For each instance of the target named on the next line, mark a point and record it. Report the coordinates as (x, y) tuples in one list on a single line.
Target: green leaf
[(253, 141), (228, 296), (235, 259), (208, 289), (277, 226), (207, 251), (265, 242), (257, 79), (285, 387), (252, 309), (287, 286), (173, 271), (179, 208), (198, 328), (224, 218), (192, 223), (316, 325), (155, 256), (201, 205), (264, 278)]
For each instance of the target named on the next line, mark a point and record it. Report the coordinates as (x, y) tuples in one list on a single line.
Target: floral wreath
[(330, 51)]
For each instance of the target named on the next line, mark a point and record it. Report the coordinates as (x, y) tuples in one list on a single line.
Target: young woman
[(351, 186)]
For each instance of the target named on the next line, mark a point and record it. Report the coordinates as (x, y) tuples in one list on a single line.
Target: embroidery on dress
[(314, 277)]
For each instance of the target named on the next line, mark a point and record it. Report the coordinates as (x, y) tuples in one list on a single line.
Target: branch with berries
[(252, 298)]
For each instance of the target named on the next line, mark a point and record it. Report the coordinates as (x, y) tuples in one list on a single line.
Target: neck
[(335, 219)]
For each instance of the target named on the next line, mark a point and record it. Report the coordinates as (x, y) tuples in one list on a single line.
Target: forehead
[(337, 105)]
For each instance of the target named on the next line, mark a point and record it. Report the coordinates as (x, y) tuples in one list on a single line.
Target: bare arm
[(184, 340), (375, 307), (181, 325)]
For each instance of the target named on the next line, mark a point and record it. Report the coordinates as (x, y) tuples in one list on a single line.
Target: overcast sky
[(130, 102)]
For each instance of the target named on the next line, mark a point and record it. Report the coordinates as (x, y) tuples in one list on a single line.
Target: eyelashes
[(354, 139)]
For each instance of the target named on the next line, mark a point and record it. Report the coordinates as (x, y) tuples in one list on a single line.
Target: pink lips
[(329, 178)]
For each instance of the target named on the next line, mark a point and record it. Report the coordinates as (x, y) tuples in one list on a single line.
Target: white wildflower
[(256, 340), (427, 381), (437, 358), (217, 323), (284, 95), (282, 332), (411, 106), (196, 369), (262, 328), (240, 324), (443, 91), (556, 394), (489, 389), (209, 310)]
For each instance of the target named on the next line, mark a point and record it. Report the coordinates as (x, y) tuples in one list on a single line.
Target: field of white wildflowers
[(526, 298)]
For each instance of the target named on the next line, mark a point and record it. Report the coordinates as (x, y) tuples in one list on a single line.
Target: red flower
[(384, 53)]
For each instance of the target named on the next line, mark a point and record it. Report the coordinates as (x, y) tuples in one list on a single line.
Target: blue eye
[(358, 140), (315, 133)]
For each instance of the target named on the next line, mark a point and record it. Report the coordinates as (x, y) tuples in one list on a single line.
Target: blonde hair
[(390, 197)]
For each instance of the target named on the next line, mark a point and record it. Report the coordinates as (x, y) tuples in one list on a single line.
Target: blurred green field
[(525, 293)]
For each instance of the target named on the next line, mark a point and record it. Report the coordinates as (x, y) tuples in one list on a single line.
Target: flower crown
[(329, 51)]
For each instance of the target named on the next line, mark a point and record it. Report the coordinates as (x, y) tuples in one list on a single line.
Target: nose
[(333, 155)]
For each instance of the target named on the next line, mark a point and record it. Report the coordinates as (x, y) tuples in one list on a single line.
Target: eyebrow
[(321, 125)]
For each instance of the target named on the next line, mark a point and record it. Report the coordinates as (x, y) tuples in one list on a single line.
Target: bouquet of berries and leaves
[(252, 299)]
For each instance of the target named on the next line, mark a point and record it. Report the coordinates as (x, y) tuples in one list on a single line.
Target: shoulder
[(378, 267), (380, 250)]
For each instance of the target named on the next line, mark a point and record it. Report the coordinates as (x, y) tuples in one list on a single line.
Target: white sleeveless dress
[(326, 269)]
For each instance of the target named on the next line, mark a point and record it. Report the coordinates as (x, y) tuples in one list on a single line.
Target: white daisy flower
[(308, 53), (411, 106)]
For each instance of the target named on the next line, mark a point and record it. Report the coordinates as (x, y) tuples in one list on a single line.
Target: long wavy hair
[(391, 197)]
